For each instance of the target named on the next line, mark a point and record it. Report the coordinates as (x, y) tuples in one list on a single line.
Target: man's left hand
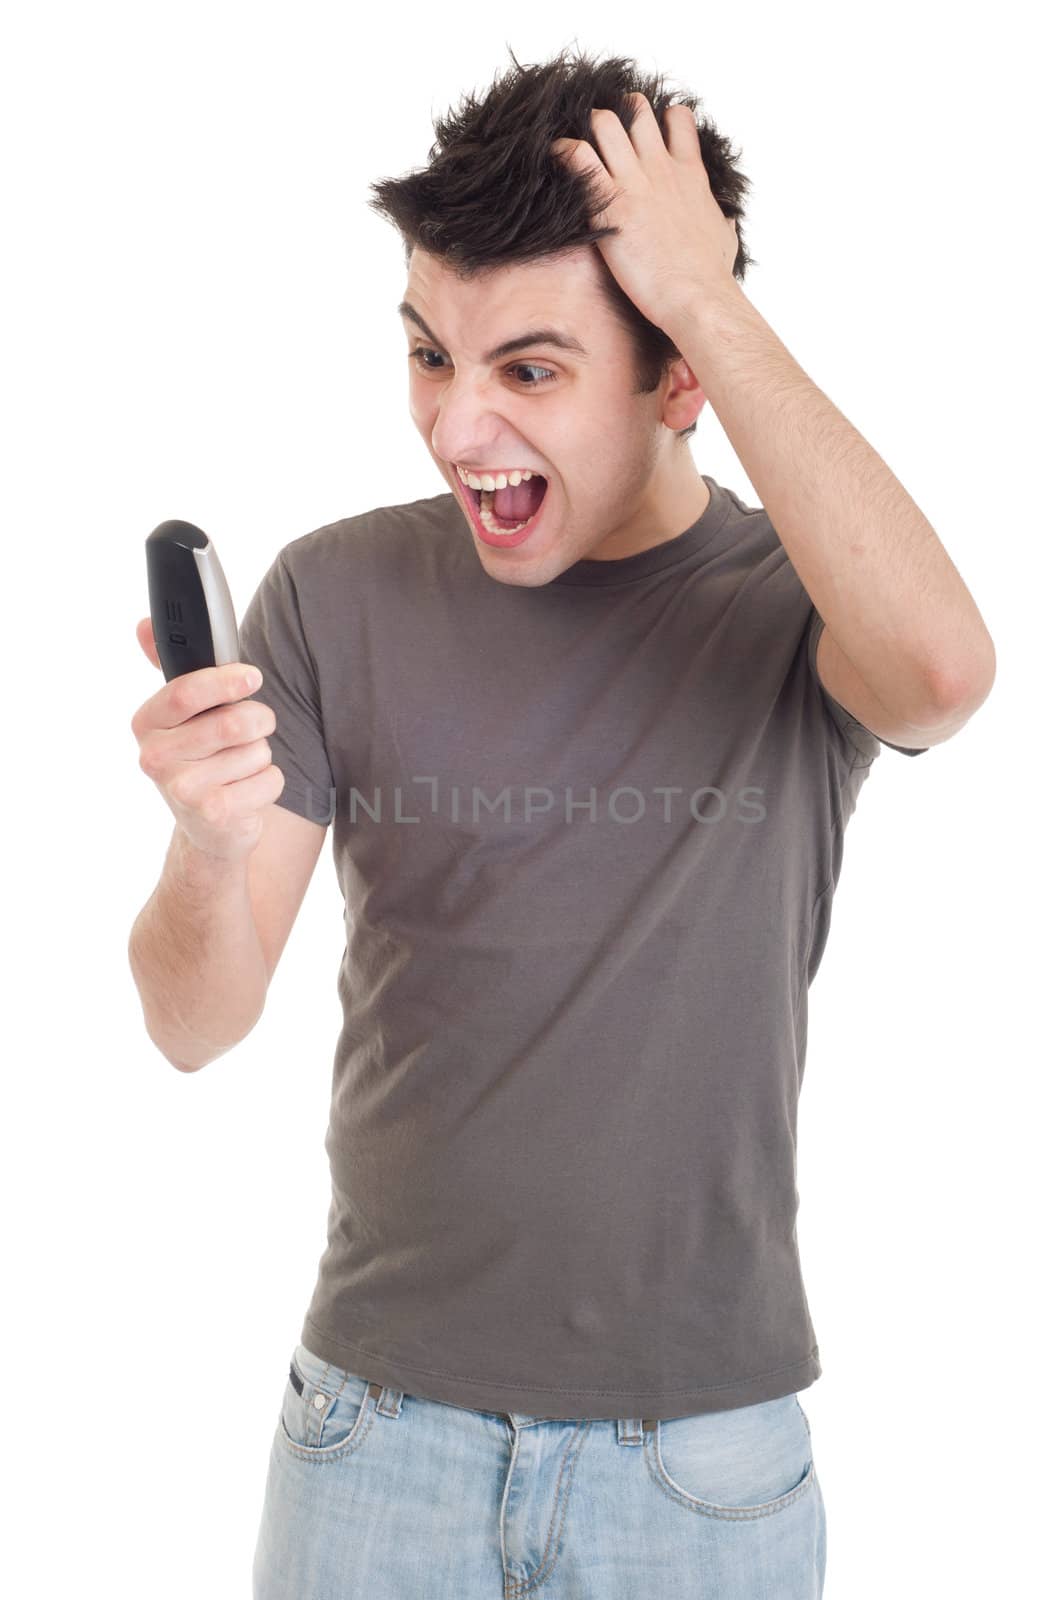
[(675, 246)]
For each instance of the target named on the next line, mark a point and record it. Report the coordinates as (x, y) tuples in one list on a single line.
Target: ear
[(682, 395)]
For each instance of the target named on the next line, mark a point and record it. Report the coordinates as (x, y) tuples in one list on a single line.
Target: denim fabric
[(374, 1494)]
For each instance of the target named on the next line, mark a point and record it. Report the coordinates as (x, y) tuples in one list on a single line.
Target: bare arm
[(205, 946), (196, 956)]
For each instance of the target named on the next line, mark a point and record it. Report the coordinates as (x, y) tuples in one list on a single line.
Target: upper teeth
[(494, 480)]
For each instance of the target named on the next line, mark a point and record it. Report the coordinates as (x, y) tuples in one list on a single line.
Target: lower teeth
[(487, 517)]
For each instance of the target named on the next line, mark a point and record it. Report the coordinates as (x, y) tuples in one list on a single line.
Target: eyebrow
[(537, 336)]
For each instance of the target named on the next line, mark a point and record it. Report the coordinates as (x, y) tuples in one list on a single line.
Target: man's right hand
[(204, 745)]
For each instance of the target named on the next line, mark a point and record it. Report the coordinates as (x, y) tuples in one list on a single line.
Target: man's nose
[(465, 424)]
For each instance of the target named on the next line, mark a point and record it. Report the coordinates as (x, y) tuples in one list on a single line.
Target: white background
[(198, 322)]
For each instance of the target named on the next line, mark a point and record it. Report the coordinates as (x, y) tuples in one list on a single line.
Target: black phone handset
[(192, 614)]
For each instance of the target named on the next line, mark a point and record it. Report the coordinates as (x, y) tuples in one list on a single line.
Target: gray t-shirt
[(587, 835)]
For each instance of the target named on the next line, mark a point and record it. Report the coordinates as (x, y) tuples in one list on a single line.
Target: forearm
[(196, 957), (871, 562)]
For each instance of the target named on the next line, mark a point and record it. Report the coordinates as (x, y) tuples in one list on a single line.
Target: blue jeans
[(374, 1494)]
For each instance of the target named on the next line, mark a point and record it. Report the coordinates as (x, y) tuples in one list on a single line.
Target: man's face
[(617, 479)]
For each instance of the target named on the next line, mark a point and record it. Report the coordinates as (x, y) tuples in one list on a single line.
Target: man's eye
[(416, 355), (546, 376)]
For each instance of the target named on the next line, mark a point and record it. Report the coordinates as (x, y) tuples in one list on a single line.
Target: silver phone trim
[(224, 635)]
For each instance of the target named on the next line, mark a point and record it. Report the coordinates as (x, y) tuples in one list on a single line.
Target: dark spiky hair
[(493, 193)]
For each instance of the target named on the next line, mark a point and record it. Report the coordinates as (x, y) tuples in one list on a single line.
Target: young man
[(588, 730)]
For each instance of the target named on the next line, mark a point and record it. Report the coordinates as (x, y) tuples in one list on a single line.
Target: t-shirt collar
[(628, 569)]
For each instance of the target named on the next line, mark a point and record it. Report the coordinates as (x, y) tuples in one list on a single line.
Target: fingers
[(192, 692), (684, 142), (220, 730)]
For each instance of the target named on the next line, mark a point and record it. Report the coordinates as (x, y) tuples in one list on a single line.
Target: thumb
[(146, 635)]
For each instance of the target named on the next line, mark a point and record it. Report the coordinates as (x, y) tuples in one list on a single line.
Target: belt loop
[(388, 1400), (629, 1430)]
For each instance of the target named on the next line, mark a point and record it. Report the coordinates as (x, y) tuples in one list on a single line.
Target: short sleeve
[(273, 638), (862, 738)]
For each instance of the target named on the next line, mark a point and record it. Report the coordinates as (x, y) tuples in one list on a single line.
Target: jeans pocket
[(752, 1461), (325, 1410)]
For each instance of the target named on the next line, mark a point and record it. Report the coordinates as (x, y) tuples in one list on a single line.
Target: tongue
[(519, 501)]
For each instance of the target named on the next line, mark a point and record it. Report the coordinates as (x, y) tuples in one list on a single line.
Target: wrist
[(198, 869), (708, 312)]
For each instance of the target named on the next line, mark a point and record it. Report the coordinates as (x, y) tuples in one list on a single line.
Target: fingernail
[(253, 678)]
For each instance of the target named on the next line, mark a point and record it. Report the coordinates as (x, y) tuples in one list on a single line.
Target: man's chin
[(506, 571)]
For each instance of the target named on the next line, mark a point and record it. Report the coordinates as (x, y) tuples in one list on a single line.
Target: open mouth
[(500, 530)]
